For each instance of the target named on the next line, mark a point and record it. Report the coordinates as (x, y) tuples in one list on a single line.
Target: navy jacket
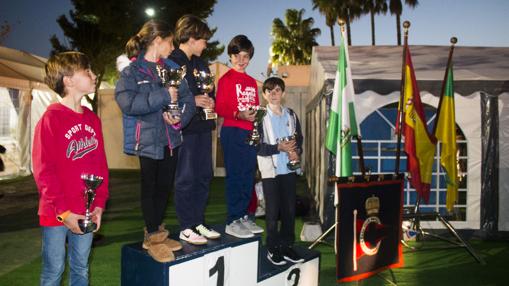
[(197, 125), (141, 97)]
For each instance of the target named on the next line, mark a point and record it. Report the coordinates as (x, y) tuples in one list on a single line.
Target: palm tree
[(396, 8), (374, 7), (348, 10), (293, 41)]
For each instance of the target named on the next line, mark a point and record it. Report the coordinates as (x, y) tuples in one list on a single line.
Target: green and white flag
[(342, 122)]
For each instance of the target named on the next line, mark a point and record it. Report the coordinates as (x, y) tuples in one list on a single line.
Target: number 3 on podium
[(218, 264)]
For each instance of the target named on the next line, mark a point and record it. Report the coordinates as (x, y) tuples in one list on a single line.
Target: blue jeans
[(53, 255), (240, 165)]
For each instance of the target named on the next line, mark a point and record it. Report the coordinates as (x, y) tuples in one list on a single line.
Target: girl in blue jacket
[(150, 133)]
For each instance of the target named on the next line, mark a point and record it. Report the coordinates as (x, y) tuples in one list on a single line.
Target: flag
[(445, 132), (342, 121), (419, 146)]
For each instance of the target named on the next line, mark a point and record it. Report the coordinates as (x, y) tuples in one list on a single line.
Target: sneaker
[(251, 225), (275, 257), (292, 256), (207, 231), (237, 229), (192, 237)]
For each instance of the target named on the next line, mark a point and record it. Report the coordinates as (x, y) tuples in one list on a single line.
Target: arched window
[(379, 147)]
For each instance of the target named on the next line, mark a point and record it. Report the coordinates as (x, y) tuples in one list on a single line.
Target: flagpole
[(399, 120), (453, 41)]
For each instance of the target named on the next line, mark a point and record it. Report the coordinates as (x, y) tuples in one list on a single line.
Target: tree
[(347, 10), (396, 8), (5, 29), (374, 7), (101, 29), (293, 40)]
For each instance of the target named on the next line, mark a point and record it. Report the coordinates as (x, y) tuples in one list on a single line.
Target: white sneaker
[(251, 225), (207, 231), (237, 229), (192, 237)]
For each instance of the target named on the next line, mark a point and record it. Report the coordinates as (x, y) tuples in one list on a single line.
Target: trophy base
[(87, 226), (293, 165), (210, 116)]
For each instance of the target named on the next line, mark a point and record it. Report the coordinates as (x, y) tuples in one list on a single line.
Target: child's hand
[(96, 217), (170, 120), (204, 101), (293, 156), (174, 93), (286, 146), (249, 115), (71, 222)]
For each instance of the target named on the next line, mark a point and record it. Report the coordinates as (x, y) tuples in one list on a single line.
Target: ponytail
[(147, 34)]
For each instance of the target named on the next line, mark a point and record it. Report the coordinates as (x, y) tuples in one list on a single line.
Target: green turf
[(122, 223)]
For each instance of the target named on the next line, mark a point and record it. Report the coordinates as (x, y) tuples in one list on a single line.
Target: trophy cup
[(254, 136), (92, 182), (171, 78), (295, 164), (205, 83)]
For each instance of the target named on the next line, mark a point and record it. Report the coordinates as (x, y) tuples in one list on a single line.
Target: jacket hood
[(122, 62)]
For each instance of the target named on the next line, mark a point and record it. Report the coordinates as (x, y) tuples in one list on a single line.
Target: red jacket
[(236, 92), (66, 145)]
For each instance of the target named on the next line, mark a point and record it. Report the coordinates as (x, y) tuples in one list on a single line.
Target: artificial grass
[(20, 260)]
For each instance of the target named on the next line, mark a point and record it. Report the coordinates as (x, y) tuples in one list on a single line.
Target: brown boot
[(172, 244), (157, 237), (159, 251)]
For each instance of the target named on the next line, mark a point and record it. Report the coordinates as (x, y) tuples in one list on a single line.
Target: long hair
[(150, 30)]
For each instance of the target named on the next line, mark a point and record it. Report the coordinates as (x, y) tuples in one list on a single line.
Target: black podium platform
[(222, 262)]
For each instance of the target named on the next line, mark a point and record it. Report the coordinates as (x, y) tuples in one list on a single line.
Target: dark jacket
[(197, 125), (141, 97)]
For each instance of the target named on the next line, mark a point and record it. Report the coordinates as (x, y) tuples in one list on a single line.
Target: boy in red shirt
[(68, 143), (237, 93)]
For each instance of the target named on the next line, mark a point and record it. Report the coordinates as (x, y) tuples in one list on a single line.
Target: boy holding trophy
[(70, 170), (237, 103), (194, 170), (278, 160)]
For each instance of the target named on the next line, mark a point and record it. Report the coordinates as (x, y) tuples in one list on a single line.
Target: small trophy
[(254, 136), (205, 83), (173, 78), (295, 164), (92, 182)]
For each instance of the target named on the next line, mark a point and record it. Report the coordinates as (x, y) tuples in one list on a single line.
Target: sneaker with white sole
[(251, 225), (192, 237), (291, 255), (207, 231), (237, 229), (275, 257)]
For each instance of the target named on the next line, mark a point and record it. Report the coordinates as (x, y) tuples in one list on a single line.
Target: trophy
[(205, 83), (92, 182), (295, 164), (254, 136), (171, 78)]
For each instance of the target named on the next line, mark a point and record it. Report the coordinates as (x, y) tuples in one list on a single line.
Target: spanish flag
[(419, 146), (445, 132)]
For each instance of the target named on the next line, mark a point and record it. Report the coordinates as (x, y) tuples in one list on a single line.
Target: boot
[(159, 251), (172, 244)]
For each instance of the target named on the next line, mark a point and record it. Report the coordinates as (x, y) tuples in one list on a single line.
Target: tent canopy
[(21, 70)]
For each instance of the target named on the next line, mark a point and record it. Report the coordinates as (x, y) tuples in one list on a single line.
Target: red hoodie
[(66, 145), (236, 92)]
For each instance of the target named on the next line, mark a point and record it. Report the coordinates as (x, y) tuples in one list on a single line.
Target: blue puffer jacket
[(141, 97)]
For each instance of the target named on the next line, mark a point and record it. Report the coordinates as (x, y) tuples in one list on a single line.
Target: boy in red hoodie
[(68, 143)]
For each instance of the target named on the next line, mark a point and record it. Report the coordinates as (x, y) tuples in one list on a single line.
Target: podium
[(227, 261)]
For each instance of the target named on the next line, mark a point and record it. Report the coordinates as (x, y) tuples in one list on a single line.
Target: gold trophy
[(295, 164), (205, 83), (171, 78), (253, 138), (92, 182)]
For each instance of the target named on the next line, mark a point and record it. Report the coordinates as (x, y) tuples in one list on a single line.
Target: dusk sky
[(475, 23)]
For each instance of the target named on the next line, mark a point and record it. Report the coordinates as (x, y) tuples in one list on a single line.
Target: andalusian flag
[(342, 123), (419, 146), (445, 132)]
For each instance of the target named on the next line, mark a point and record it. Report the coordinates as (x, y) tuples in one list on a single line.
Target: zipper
[(137, 136), (169, 141)]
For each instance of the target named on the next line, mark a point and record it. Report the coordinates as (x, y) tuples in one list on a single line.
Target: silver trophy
[(254, 136), (171, 78), (295, 164), (205, 83), (92, 182)]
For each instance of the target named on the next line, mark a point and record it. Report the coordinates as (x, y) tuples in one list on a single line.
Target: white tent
[(23, 99), (482, 109)]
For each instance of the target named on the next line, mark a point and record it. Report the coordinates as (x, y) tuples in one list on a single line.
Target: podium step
[(222, 262)]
